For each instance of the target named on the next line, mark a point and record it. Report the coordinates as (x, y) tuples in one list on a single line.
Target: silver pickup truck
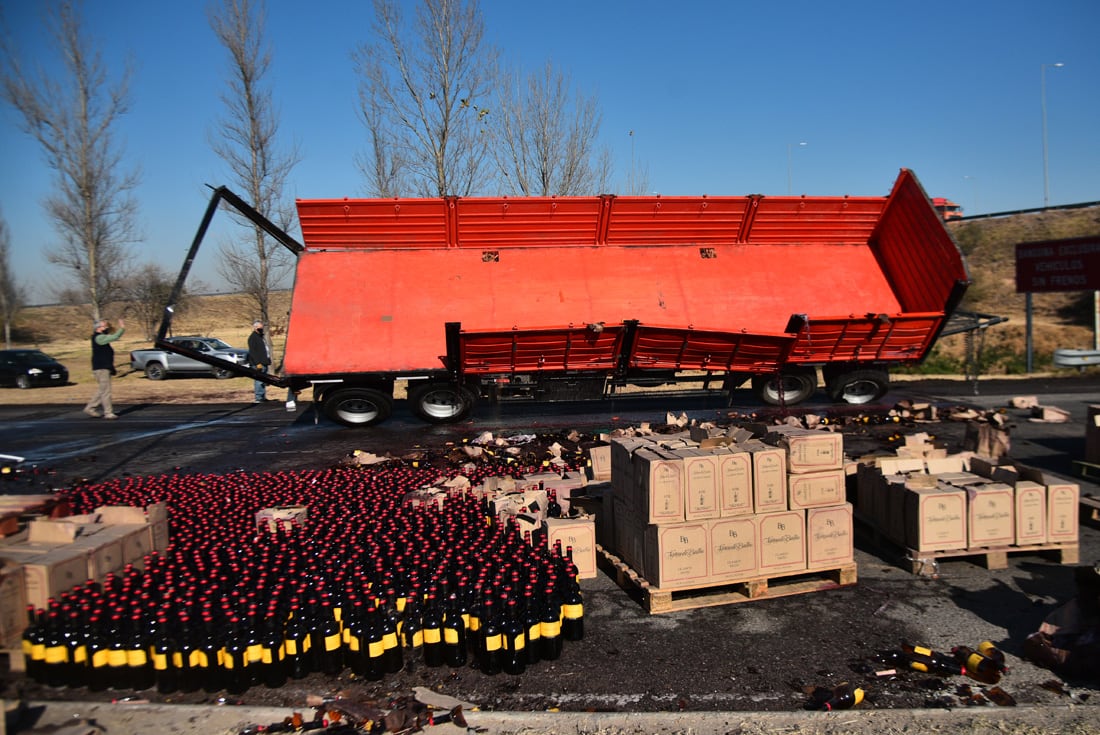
[(160, 364)]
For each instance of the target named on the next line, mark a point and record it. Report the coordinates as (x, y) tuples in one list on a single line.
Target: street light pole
[(1043, 102), (790, 148)]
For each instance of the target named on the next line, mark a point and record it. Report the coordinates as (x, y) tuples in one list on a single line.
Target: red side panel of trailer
[(712, 281)]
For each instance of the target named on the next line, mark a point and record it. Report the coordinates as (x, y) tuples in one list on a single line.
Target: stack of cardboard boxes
[(712, 507), (53, 555), (965, 502)]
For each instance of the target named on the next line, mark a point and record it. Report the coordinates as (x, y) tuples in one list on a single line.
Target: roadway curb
[(232, 720)]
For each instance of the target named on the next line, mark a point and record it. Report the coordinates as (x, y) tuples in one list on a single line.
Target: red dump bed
[(713, 282)]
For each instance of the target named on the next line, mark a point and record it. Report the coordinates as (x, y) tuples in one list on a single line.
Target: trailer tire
[(859, 386), (786, 388), (440, 403), (155, 371), (357, 406)]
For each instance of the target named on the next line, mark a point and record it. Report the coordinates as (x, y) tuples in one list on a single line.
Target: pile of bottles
[(367, 583), (986, 664)]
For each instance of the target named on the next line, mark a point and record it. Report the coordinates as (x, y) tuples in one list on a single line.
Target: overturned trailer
[(582, 298)]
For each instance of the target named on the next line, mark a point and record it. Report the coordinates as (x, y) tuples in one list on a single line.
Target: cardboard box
[(1063, 508), (781, 540), (13, 604), (700, 484), (935, 518), (599, 462), (286, 516), (817, 489), (659, 486), (1063, 500), (989, 513), (49, 574), (103, 551), (1030, 511), (1092, 435), (867, 483), (629, 536), (808, 450), (578, 533), (622, 467), (734, 481), (951, 463), (128, 514), (769, 476), (900, 465), (829, 537), (677, 555), (733, 548)]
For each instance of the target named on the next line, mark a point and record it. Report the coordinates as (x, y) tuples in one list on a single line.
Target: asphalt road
[(757, 656)]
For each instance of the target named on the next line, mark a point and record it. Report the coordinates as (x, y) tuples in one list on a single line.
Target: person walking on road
[(259, 357), (103, 367)]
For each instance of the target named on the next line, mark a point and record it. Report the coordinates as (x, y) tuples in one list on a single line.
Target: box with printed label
[(733, 548), (1030, 513), (1063, 499), (817, 489), (781, 540), (829, 537), (935, 518), (577, 535), (809, 450), (1062, 505), (700, 483), (769, 476), (989, 514), (677, 555), (659, 486), (599, 462), (734, 481)]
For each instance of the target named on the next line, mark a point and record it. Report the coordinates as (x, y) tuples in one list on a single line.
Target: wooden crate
[(656, 600)]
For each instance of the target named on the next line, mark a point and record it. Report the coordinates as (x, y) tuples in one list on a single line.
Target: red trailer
[(574, 298)]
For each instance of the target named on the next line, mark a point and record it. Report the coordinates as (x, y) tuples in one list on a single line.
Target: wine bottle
[(514, 639)]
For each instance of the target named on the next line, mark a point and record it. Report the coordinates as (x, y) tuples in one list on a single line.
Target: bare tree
[(546, 137), (247, 142), (73, 118), (423, 92), (12, 295), (147, 291)]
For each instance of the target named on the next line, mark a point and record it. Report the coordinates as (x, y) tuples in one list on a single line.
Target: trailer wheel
[(441, 403), (155, 371), (860, 386), (357, 406), (786, 388)]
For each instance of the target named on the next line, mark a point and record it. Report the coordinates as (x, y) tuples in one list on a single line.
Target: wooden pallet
[(1087, 470), (1090, 508), (656, 600), (994, 557)]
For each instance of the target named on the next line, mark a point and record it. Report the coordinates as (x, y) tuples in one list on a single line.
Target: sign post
[(1059, 265)]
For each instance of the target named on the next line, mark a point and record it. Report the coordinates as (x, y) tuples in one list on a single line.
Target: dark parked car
[(30, 368)]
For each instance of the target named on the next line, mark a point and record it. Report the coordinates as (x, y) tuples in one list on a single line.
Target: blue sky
[(718, 93)]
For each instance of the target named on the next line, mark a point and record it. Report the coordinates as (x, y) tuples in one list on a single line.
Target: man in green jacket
[(103, 367)]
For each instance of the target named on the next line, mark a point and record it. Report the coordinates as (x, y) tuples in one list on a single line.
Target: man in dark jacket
[(259, 357), (103, 367)]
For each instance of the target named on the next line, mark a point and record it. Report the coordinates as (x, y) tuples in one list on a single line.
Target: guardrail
[(1076, 358)]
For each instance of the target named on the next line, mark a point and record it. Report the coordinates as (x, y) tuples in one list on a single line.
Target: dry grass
[(64, 332)]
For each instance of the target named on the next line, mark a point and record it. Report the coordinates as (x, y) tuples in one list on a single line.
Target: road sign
[(1058, 265)]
